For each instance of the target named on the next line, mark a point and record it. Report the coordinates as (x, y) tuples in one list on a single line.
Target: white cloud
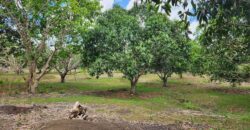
[(174, 13), (130, 4), (192, 28), (193, 23), (107, 4)]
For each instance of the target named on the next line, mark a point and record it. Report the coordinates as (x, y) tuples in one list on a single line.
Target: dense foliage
[(44, 35), (226, 42), (136, 44), (66, 60), (38, 24), (224, 35), (116, 44), (168, 45)]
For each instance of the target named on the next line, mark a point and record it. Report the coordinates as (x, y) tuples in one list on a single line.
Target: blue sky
[(128, 4), (122, 3), (108, 4)]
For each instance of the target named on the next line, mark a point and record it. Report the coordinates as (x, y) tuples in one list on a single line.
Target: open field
[(192, 102)]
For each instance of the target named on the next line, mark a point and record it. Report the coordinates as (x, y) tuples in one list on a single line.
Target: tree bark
[(234, 84), (165, 82), (164, 78), (110, 74), (180, 75), (133, 83), (34, 86), (31, 80), (63, 78), (34, 78), (133, 88)]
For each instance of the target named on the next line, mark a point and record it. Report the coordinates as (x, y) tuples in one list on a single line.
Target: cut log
[(78, 111)]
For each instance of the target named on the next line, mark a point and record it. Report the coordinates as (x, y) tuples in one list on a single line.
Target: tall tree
[(116, 43), (225, 34), (227, 43), (169, 46), (39, 23), (134, 63)]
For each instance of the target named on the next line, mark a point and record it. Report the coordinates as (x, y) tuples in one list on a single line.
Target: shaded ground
[(232, 91), (14, 109), (10, 109), (121, 93)]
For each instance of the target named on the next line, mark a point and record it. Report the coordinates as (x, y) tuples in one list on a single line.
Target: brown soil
[(232, 90), (14, 109), (104, 117), (121, 93), (4, 124), (10, 109), (107, 125), (85, 125)]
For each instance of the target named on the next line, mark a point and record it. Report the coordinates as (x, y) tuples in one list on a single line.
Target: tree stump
[(78, 111)]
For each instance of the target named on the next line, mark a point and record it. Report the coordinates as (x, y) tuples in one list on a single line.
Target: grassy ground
[(190, 99)]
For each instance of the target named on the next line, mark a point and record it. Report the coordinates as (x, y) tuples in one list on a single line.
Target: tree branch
[(46, 66)]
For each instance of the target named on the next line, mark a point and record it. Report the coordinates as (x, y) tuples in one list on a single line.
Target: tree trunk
[(34, 86), (234, 84), (18, 71), (133, 83), (133, 88), (63, 78), (180, 76), (110, 74), (32, 82), (165, 82)]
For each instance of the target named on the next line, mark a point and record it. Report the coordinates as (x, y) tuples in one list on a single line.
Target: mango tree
[(116, 43), (66, 60), (168, 45), (40, 23)]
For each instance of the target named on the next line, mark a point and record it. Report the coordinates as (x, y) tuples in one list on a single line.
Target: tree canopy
[(116, 44), (226, 41), (224, 35), (40, 23), (169, 46), (136, 44)]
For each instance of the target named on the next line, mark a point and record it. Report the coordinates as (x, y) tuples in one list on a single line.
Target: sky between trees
[(128, 4)]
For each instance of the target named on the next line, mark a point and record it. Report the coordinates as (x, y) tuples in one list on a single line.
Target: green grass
[(86, 85), (190, 93)]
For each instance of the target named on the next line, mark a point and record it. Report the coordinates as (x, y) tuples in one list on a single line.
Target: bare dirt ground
[(120, 93), (232, 91), (55, 117)]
